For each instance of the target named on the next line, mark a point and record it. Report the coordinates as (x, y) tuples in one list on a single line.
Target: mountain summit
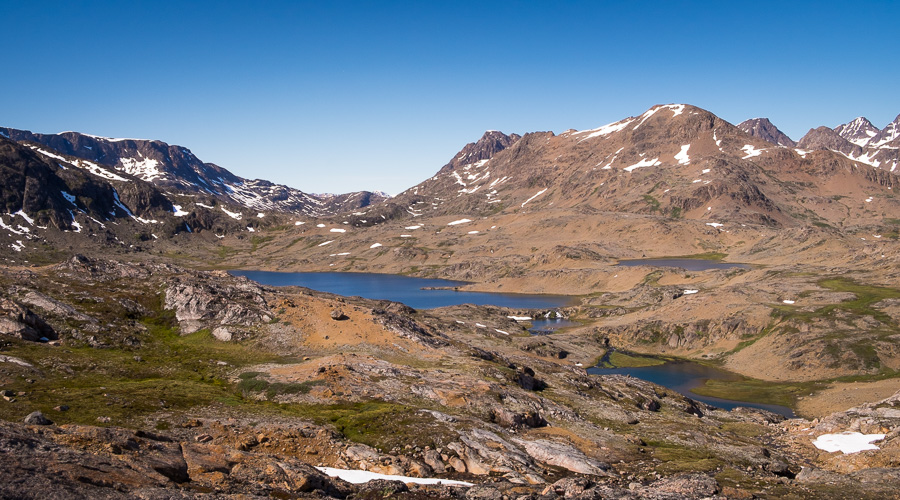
[(765, 130)]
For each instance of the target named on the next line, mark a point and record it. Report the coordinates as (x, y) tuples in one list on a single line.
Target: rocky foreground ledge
[(73, 461)]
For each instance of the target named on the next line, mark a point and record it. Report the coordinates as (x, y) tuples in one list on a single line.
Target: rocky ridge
[(172, 167)]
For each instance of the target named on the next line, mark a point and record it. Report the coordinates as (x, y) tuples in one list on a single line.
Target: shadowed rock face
[(826, 138), (172, 167), (19, 321)]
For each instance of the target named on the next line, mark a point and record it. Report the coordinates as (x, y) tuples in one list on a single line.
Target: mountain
[(177, 168), (674, 160), (765, 130), (859, 131), (860, 141)]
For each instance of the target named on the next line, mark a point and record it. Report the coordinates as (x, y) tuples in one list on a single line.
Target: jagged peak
[(767, 131)]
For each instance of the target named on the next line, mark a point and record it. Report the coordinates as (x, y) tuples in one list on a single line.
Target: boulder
[(37, 418), (17, 320)]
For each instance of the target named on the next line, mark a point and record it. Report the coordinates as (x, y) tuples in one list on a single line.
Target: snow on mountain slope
[(859, 131), (177, 168)]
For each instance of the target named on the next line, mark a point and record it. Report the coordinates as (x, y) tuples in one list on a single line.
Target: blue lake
[(684, 376), (687, 264), (411, 291), (681, 377)]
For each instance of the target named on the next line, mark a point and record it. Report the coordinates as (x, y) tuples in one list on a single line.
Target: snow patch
[(542, 191), (361, 476), (715, 224), (847, 442), (520, 318), (501, 331), (299, 223), (325, 243), (682, 156), (605, 130), (25, 216), (643, 163), (472, 232), (177, 211), (689, 292), (233, 215), (375, 245), (460, 221), (412, 227), (143, 168), (751, 151), (337, 230), (787, 301)]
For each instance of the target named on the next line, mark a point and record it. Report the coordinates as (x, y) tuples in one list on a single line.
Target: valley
[(122, 306)]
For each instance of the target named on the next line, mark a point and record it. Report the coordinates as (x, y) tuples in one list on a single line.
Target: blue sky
[(344, 96)]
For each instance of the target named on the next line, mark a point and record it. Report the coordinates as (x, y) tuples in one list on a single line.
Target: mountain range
[(674, 234), (674, 161)]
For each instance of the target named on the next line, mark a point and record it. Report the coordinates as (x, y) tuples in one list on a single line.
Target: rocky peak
[(766, 130), (491, 143), (826, 138), (889, 134), (859, 131)]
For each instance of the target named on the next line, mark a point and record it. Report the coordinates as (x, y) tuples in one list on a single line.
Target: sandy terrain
[(842, 396)]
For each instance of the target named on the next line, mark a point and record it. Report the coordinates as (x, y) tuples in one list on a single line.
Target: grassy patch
[(624, 360), (376, 423), (678, 458), (652, 202), (168, 372), (758, 391)]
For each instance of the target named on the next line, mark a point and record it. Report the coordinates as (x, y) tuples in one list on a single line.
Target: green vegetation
[(169, 372), (653, 202), (758, 391), (678, 458), (626, 360)]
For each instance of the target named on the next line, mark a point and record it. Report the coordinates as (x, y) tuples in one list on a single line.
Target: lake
[(684, 376), (414, 292), (687, 264)]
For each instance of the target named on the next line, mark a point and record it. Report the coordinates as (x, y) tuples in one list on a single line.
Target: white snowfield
[(362, 476), (847, 442), (460, 221)]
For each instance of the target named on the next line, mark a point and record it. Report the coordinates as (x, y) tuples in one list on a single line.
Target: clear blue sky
[(341, 96)]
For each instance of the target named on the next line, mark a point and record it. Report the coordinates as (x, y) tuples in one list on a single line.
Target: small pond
[(684, 376), (418, 293), (687, 264), (546, 326)]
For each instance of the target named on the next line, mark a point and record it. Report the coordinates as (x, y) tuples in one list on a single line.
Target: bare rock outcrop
[(19, 321), (209, 301)]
